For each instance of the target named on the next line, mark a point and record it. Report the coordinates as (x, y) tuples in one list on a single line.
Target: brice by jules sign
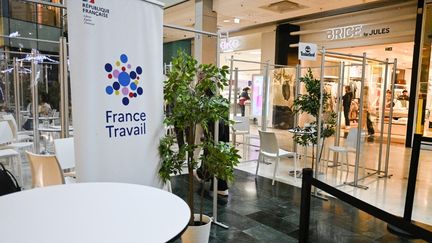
[(354, 31), (345, 32)]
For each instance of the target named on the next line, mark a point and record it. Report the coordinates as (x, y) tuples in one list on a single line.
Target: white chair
[(350, 147), (64, 151), (169, 130), (11, 155), (56, 116), (9, 141), (19, 136), (269, 147), (45, 170), (241, 126)]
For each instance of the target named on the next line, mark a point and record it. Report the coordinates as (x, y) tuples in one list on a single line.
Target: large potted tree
[(192, 96), (309, 103)]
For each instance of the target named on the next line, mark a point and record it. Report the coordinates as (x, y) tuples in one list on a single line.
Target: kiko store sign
[(355, 31)]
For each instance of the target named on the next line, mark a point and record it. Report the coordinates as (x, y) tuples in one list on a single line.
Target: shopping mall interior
[(197, 120)]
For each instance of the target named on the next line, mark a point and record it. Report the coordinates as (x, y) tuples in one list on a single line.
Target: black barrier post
[(412, 176), (412, 179), (305, 205)]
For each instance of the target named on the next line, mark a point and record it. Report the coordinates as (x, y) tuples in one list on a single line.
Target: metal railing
[(308, 181)]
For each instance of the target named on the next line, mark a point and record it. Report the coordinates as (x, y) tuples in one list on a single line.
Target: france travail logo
[(89, 1), (126, 80)]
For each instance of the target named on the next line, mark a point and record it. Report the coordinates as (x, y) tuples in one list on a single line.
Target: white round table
[(92, 213)]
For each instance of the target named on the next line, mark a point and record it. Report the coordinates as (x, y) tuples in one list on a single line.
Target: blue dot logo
[(124, 78), (123, 58), (109, 90), (123, 84)]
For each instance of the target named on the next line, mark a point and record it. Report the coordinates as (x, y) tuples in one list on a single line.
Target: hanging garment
[(286, 90)]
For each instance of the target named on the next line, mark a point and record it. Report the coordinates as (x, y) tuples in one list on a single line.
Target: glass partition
[(21, 10), (425, 81)]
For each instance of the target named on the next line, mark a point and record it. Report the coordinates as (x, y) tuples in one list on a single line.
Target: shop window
[(48, 15), (170, 49), (425, 89), (25, 29), (22, 10), (2, 8), (4, 30), (48, 33)]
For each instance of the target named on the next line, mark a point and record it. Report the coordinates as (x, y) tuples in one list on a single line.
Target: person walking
[(346, 103), (367, 122)]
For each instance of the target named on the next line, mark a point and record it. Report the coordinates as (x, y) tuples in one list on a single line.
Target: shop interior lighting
[(237, 20), (38, 58), (14, 34), (22, 70)]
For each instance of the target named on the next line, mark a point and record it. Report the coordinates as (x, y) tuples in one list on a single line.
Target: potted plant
[(192, 95), (310, 103)]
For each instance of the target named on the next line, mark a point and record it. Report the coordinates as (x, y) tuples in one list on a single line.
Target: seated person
[(404, 98), (44, 107), (389, 102)]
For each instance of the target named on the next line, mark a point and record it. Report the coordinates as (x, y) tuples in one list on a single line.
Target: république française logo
[(89, 7), (125, 79)]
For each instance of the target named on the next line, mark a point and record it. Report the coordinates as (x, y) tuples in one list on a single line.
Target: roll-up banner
[(115, 50)]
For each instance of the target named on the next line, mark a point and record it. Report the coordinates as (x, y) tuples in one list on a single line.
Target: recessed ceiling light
[(237, 20), (226, 20)]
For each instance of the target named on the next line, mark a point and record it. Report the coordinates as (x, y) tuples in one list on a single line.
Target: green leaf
[(310, 104), (192, 92)]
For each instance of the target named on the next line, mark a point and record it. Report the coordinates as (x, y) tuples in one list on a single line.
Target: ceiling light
[(226, 20), (237, 20)]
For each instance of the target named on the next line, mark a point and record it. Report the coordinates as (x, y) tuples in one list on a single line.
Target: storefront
[(381, 33), (425, 77), (254, 46)]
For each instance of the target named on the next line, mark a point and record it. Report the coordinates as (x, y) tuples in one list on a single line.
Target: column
[(206, 20)]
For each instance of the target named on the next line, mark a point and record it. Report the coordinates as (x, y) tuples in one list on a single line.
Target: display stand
[(378, 171), (363, 62)]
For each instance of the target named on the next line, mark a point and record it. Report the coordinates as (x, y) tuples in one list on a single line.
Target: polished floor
[(259, 212), (385, 193), (256, 211)]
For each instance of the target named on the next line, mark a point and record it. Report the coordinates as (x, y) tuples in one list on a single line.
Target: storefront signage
[(354, 31), (117, 91), (345, 32), (229, 44), (307, 51), (379, 31)]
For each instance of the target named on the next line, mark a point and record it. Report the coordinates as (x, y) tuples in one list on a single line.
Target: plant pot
[(198, 234)]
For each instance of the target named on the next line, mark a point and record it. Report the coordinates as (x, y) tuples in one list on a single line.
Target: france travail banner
[(115, 50)]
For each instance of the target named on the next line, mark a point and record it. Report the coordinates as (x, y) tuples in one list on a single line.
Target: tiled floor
[(256, 211), (386, 193)]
